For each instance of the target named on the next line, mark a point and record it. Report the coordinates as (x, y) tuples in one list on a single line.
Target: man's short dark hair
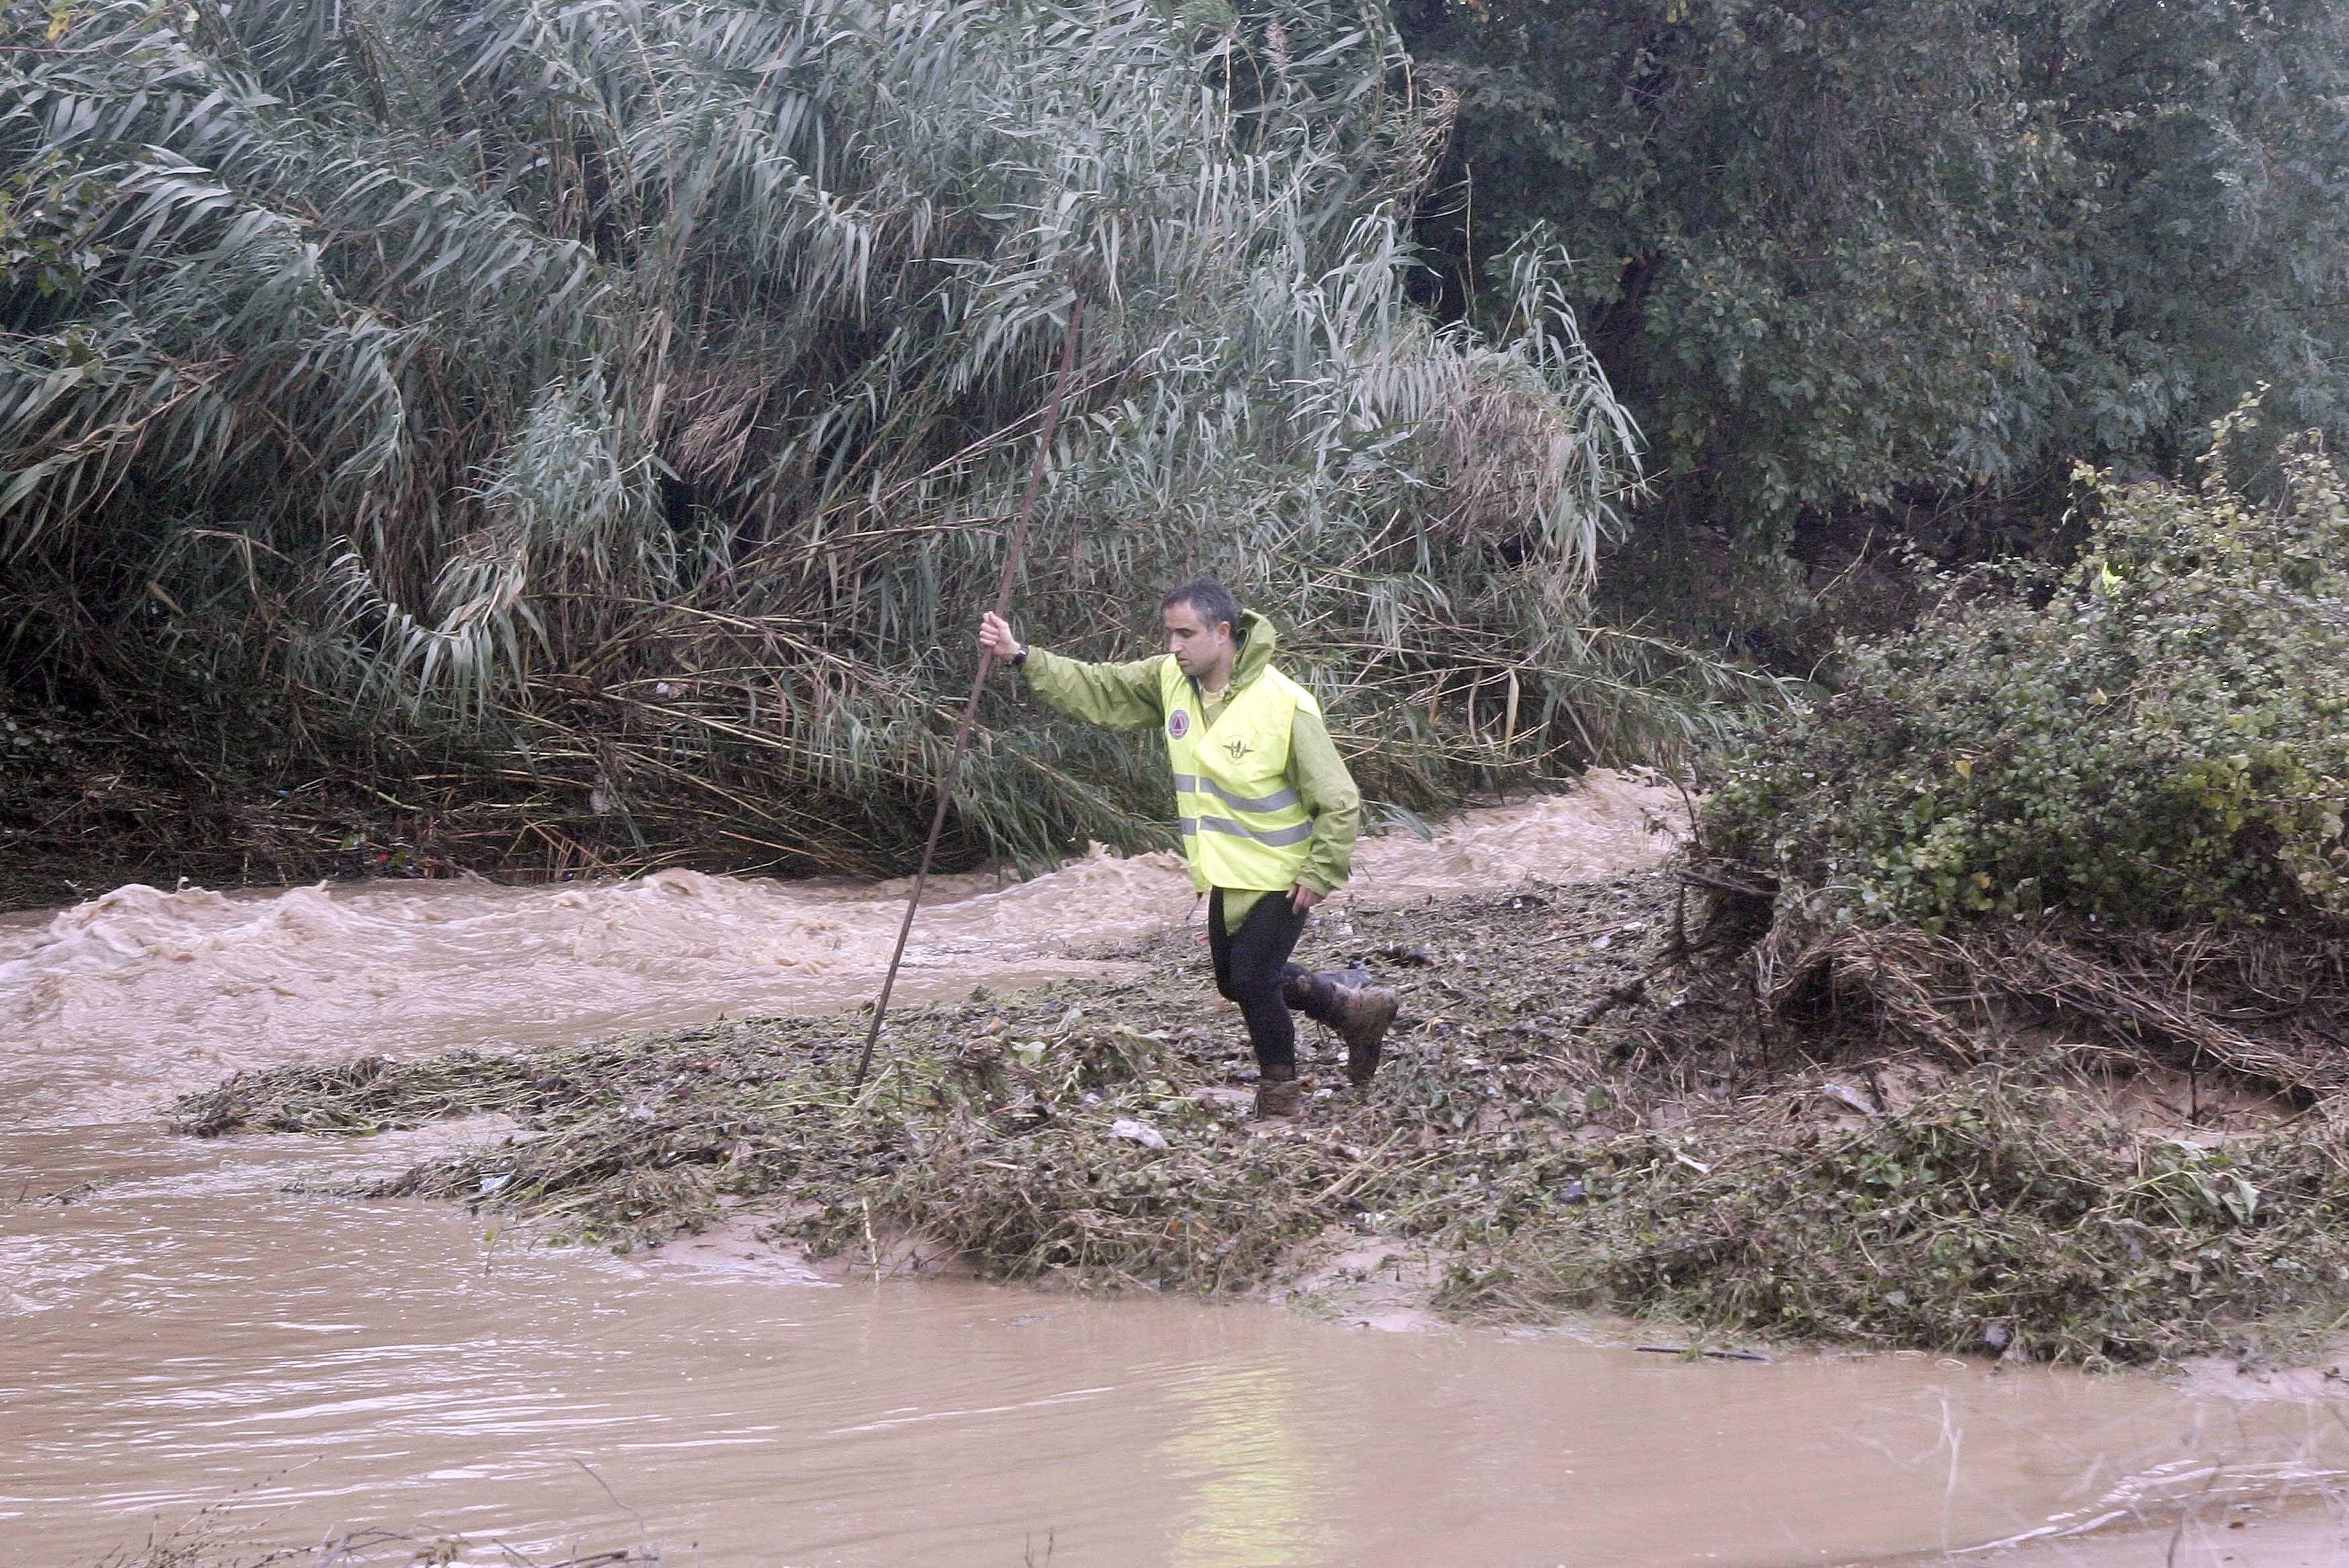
[(1211, 599)]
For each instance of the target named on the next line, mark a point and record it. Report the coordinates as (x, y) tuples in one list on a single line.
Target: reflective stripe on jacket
[(1243, 824)]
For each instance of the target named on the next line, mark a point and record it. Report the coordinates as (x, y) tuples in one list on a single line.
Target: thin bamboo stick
[(978, 682)]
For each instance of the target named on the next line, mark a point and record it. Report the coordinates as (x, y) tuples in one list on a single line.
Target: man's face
[(1198, 646)]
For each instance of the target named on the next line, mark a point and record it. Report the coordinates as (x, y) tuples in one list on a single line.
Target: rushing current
[(193, 1347)]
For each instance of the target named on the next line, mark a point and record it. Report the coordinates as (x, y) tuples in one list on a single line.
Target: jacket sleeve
[(1120, 697), (1320, 776)]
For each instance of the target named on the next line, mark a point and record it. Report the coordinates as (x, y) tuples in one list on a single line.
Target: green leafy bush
[(2152, 738)]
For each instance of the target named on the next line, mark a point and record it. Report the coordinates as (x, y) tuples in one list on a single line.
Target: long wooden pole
[(978, 682)]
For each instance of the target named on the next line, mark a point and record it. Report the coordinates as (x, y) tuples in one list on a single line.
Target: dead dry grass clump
[(367, 1094), (1575, 1111)]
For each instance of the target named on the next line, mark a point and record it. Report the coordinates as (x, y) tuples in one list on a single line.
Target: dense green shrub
[(2152, 738)]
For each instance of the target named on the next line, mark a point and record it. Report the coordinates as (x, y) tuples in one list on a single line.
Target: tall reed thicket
[(598, 424)]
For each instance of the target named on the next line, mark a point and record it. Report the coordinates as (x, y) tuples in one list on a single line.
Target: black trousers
[(1253, 970)]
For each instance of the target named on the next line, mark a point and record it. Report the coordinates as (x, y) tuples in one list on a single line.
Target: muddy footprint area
[(1578, 1111)]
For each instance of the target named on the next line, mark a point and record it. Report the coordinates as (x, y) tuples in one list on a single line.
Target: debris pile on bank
[(1576, 1111), (2107, 801)]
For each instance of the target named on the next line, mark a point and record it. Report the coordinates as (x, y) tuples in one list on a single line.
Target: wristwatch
[(1016, 660)]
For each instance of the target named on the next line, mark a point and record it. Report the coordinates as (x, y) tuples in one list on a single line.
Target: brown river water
[(183, 1338)]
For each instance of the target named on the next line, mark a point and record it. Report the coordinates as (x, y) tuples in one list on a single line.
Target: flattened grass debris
[(1684, 1154)]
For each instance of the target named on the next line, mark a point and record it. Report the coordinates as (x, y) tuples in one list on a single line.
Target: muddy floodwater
[(179, 1332)]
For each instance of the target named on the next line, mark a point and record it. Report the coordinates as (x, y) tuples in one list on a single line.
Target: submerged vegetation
[(206, 1540), (586, 435), (1578, 1112)]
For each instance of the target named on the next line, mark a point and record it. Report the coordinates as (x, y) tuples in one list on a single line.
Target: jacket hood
[(1259, 640)]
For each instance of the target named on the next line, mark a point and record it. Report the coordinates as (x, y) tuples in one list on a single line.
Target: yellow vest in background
[(1244, 826)]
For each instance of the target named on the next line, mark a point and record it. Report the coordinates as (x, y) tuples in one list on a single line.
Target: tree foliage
[(2154, 738), (1837, 254), (628, 397)]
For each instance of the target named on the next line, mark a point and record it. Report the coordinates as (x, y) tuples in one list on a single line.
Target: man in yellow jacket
[(1268, 813)]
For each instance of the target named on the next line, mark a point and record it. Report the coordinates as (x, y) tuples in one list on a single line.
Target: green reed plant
[(619, 404)]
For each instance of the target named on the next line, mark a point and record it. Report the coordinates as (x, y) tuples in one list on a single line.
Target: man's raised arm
[(1116, 696)]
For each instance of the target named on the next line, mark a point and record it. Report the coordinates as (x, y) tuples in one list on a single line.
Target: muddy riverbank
[(205, 1325), (1577, 1113)]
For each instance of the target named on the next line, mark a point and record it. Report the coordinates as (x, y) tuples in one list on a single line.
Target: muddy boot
[(1278, 1094), (1362, 1016)]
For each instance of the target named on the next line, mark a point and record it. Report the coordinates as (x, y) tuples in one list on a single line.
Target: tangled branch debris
[(2272, 1005), (1573, 1114)]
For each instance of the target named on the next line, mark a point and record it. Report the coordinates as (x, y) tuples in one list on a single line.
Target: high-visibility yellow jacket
[(1264, 798), (1243, 824)]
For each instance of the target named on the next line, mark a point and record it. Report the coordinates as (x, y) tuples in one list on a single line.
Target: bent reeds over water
[(592, 432)]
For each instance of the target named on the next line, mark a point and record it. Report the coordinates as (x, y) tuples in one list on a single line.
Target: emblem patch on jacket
[(1178, 722), (1236, 749)]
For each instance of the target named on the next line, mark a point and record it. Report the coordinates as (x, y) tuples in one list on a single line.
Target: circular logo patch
[(1178, 724)]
